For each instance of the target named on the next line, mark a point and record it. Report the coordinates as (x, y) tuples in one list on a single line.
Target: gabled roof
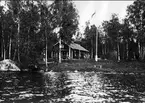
[(75, 46), (78, 47)]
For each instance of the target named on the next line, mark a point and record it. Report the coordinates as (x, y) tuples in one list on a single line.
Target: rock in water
[(8, 65)]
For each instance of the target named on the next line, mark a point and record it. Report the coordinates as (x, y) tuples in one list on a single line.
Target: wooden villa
[(69, 51)]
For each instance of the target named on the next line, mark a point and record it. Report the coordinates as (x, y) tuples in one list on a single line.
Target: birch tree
[(136, 16)]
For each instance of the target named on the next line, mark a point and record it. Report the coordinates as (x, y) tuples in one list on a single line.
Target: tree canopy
[(28, 27), (125, 39)]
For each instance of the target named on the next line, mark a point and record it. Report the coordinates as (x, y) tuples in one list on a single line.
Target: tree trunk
[(46, 46), (142, 51), (118, 52), (2, 46), (10, 44), (127, 50), (15, 54), (105, 50), (139, 51), (102, 50), (59, 49), (91, 49), (18, 34), (4, 50), (123, 46), (28, 45), (2, 42)]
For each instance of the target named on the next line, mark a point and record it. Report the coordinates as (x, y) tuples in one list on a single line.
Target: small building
[(69, 51)]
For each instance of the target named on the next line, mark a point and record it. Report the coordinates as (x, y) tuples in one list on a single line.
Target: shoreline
[(100, 66)]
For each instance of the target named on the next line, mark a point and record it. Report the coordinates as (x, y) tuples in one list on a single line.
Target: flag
[(93, 14)]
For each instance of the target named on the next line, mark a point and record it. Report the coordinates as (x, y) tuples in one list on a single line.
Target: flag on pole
[(93, 14)]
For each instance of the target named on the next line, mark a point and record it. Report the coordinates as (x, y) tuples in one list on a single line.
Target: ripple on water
[(8, 88), (83, 87), (26, 95), (1, 100), (6, 94), (23, 92), (20, 87), (8, 81)]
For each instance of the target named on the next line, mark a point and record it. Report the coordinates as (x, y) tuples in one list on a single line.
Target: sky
[(103, 9)]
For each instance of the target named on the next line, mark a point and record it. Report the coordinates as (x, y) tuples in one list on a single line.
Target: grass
[(101, 65)]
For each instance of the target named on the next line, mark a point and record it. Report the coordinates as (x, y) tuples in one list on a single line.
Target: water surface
[(71, 87)]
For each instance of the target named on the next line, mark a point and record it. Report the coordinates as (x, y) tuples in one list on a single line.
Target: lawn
[(101, 65)]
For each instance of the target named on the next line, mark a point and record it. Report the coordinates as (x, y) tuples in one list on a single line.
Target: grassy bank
[(101, 65)]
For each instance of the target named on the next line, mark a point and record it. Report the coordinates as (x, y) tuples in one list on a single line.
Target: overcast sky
[(103, 9)]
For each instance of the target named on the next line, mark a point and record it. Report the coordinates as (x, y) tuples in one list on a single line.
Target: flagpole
[(96, 56)]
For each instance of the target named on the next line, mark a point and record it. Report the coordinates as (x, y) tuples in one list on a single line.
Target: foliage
[(113, 28), (27, 26), (136, 16), (66, 18), (90, 39)]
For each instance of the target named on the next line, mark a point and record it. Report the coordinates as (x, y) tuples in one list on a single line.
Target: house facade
[(69, 51)]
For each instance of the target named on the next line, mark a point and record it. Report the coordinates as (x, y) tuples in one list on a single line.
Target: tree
[(66, 19), (102, 43), (112, 29), (1, 30), (5, 32), (27, 27), (46, 25), (127, 33), (90, 38), (24, 27), (136, 16), (16, 9)]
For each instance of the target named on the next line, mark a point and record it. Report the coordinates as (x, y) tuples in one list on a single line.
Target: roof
[(77, 46)]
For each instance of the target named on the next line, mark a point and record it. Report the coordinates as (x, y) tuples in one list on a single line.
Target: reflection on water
[(70, 87)]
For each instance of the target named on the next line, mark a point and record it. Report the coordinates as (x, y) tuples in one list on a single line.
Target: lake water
[(71, 87)]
